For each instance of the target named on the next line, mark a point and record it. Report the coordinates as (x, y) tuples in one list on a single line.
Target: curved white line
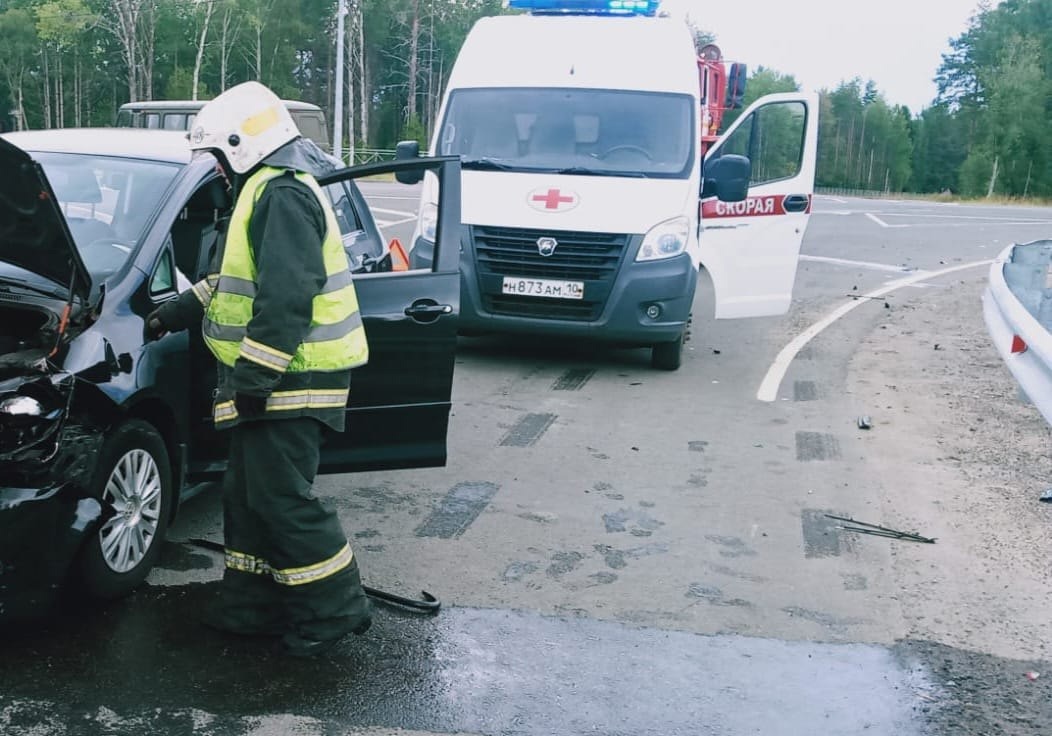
[(769, 386)]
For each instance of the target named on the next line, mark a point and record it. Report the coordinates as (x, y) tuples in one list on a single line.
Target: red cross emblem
[(552, 200)]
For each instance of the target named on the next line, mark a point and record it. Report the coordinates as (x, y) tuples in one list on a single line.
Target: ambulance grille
[(579, 256), (524, 306)]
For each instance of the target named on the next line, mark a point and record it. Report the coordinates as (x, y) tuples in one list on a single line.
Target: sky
[(896, 43)]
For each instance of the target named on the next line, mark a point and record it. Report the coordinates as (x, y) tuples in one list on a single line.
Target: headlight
[(26, 423), (665, 240), (21, 406), (429, 222)]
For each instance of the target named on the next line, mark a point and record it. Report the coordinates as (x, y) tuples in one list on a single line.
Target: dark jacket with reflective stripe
[(285, 234)]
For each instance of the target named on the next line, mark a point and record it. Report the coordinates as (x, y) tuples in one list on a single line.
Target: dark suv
[(101, 435)]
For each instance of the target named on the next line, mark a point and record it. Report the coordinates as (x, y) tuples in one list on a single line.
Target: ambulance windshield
[(576, 131)]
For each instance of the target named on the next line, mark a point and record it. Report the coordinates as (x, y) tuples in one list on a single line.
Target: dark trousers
[(275, 529)]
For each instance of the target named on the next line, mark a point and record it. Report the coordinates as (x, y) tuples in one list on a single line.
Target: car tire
[(133, 481)]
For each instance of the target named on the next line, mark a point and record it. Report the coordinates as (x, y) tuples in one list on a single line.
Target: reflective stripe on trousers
[(293, 575)]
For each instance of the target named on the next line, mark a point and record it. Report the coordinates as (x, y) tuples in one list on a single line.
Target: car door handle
[(427, 310), (795, 202)]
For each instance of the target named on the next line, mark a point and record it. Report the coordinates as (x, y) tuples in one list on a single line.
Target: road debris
[(864, 422), (1046, 496), (862, 527), (1032, 676)]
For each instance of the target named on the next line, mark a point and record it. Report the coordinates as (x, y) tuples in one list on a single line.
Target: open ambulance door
[(751, 247)]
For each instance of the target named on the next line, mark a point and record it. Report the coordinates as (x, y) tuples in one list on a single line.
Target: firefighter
[(281, 317)]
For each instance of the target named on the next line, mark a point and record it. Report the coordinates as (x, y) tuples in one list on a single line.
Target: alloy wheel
[(133, 491)]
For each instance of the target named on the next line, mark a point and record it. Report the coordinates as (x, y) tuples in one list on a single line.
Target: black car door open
[(398, 410)]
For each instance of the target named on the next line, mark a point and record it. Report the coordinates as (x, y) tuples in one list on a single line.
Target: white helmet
[(246, 123)]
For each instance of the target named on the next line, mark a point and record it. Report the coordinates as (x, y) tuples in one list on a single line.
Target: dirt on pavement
[(977, 603)]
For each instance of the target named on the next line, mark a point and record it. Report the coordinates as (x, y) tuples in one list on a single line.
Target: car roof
[(192, 105), (155, 145)]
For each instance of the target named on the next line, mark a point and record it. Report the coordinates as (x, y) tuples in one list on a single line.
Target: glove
[(159, 322), (249, 406)]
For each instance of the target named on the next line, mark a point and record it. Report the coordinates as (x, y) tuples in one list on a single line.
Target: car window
[(772, 138), (151, 120), (163, 279), (357, 227), (107, 202), (540, 129)]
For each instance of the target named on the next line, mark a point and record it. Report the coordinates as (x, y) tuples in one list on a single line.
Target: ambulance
[(590, 200)]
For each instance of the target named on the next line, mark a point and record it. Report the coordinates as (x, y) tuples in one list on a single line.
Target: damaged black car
[(102, 436)]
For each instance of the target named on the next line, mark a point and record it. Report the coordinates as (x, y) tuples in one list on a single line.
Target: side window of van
[(773, 139), (151, 120), (175, 121), (310, 126)]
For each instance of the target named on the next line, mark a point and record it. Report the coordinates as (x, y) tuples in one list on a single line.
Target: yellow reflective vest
[(336, 339)]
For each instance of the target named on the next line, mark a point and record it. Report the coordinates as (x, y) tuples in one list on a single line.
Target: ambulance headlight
[(429, 222), (665, 240)]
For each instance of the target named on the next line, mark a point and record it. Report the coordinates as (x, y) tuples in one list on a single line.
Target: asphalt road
[(625, 551)]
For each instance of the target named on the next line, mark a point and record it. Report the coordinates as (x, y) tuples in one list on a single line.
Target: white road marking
[(991, 218), (391, 223), (1042, 223), (769, 386), (401, 213), (832, 212), (832, 199), (859, 264), (880, 222)]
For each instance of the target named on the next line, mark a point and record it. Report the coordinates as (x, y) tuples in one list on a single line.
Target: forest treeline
[(67, 63)]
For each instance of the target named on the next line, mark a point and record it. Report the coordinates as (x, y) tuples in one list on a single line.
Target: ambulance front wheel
[(667, 356)]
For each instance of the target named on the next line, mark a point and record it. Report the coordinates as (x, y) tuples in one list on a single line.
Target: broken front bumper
[(41, 530)]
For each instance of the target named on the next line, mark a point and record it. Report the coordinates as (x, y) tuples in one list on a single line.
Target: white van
[(579, 138)]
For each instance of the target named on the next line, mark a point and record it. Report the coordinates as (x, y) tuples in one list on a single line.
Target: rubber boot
[(247, 605), (327, 611)]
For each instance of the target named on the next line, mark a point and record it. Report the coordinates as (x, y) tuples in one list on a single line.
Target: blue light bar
[(587, 7)]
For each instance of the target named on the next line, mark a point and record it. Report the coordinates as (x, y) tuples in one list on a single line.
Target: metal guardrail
[(370, 155), (1017, 308), (861, 193)]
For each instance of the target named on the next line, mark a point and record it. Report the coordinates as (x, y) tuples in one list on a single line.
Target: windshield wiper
[(585, 171), (7, 283), (493, 164)]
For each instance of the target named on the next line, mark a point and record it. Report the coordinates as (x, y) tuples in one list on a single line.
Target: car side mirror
[(727, 178), (405, 151)]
